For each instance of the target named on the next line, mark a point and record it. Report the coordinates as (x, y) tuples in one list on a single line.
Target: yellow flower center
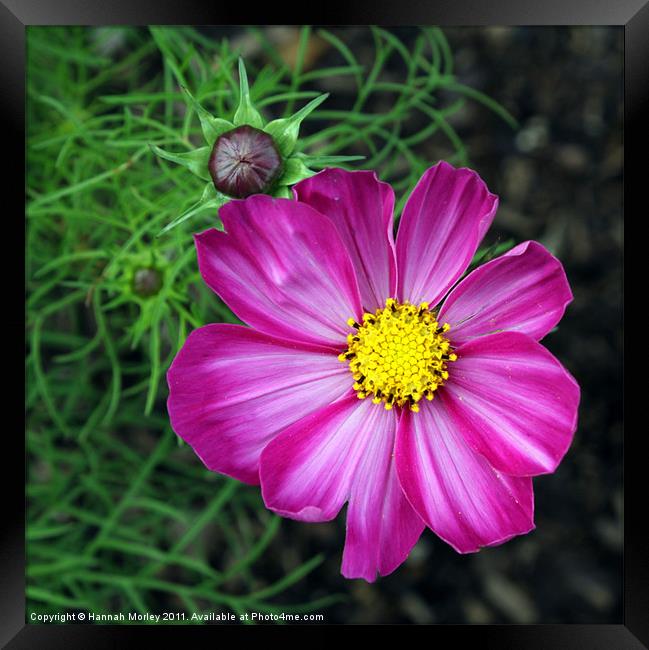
[(398, 354)]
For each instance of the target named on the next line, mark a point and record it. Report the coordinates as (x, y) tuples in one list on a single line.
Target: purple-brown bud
[(244, 161)]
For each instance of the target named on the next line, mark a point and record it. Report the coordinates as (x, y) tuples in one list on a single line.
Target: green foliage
[(285, 130), (121, 514), (487, 253)]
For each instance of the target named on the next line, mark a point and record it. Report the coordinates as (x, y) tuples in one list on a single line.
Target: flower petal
[(307, 472), (443, 221), (362, 208), (525, 289), (344, 452), (231, 390), (455, 491), (382, 526), (513, 402), (282, 268)]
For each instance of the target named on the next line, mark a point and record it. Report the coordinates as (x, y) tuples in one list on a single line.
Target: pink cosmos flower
[(367, 375)]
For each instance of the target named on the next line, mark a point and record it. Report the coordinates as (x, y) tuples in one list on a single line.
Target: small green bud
[(147, 282)]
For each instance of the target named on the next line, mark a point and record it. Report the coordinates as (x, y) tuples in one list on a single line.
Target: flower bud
[(244, 161), (147, 282), (246, 155)]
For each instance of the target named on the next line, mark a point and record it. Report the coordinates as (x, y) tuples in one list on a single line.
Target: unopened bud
[(244, 161), (147, 282)]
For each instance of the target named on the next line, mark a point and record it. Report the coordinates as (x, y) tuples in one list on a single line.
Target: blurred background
[(121, 515)]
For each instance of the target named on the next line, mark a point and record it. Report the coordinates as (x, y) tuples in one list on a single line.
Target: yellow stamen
[(399, 354)]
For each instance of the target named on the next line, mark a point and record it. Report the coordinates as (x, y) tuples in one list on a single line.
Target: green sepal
[(211, 126), (195, 161), (246, 113), (294, 171), (283, 192), (285, 130), (211, 199)]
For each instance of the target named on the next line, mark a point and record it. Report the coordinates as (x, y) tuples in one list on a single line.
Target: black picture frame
[(15, 15)]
